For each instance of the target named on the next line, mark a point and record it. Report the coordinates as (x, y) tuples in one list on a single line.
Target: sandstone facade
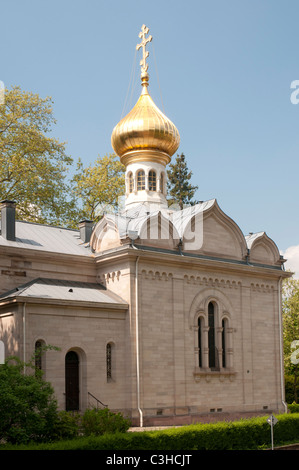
[(149, 300)]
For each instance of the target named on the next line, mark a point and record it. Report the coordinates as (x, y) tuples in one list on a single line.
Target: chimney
[(8, 214), (85, 227)]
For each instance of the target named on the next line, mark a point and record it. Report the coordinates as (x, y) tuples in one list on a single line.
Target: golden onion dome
[(145, 132)]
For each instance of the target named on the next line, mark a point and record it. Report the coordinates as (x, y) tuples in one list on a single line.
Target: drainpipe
[(24, 335), (180, 244), (281, 346), (137, 344)]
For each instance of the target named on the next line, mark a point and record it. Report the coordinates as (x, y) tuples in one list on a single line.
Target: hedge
[(246, 434), (293, 408)]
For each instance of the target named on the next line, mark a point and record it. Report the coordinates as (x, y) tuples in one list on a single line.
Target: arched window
[(38, 355), (162, 183), (109, 361), (224, 339), (200, 341), (213, 338), (130, 182), (140, 180), (213, 352), (152, 183)]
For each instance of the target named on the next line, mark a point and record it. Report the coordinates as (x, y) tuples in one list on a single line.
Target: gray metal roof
[(47, 238), (133, 220), (60, 240), (60, 290)]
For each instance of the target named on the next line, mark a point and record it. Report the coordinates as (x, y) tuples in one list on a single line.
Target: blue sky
[(221, 71)]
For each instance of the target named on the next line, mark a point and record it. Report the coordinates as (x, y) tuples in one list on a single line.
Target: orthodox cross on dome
[(144, 31)]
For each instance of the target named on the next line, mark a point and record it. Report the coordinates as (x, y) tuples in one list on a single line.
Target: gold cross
[(145, 54)]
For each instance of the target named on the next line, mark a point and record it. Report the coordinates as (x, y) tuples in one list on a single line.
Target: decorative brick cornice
[(212, 282), (156, 275), (267, 288)]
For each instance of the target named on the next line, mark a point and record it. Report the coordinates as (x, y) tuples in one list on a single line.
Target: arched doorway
[(72, 381)]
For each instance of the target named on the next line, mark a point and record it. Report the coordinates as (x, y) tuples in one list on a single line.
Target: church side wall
[(207, 389), (18, 269), (172, 381), (157, 338), (11, 330), (87, 332), (266, 344), (172, 295)]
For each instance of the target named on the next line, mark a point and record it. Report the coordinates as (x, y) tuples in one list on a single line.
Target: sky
[(221, 70)]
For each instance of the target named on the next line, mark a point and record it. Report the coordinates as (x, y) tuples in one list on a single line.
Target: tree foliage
[(97, 187), (28, 408), (290, 305), (33, 165), (180, 189)]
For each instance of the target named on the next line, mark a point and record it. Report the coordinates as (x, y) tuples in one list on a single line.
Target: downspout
[(137, 343), (180, 244), (281, 346), (24, 335)]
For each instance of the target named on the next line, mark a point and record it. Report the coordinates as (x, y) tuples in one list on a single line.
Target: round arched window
[(152, 181), (162, 183), (140, 180), (130, 182)]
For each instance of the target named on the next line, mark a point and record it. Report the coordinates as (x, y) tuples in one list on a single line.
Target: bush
[(100, 421), (28, 408), (293, 408), (67, 425)]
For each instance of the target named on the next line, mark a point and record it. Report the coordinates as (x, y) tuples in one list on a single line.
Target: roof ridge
[(46, 225)]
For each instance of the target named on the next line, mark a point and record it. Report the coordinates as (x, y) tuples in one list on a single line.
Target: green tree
[(180, 189), (28, 408), (33, 165), (98, 187), (290, 308)]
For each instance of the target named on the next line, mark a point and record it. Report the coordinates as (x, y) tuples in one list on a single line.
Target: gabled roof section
[(263, 249), (132, 223), (221, 236), (47, 238), (252, 237), (203, 229), (56, 290)]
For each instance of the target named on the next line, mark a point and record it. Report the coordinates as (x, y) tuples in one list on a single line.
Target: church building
[(167, 315)]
